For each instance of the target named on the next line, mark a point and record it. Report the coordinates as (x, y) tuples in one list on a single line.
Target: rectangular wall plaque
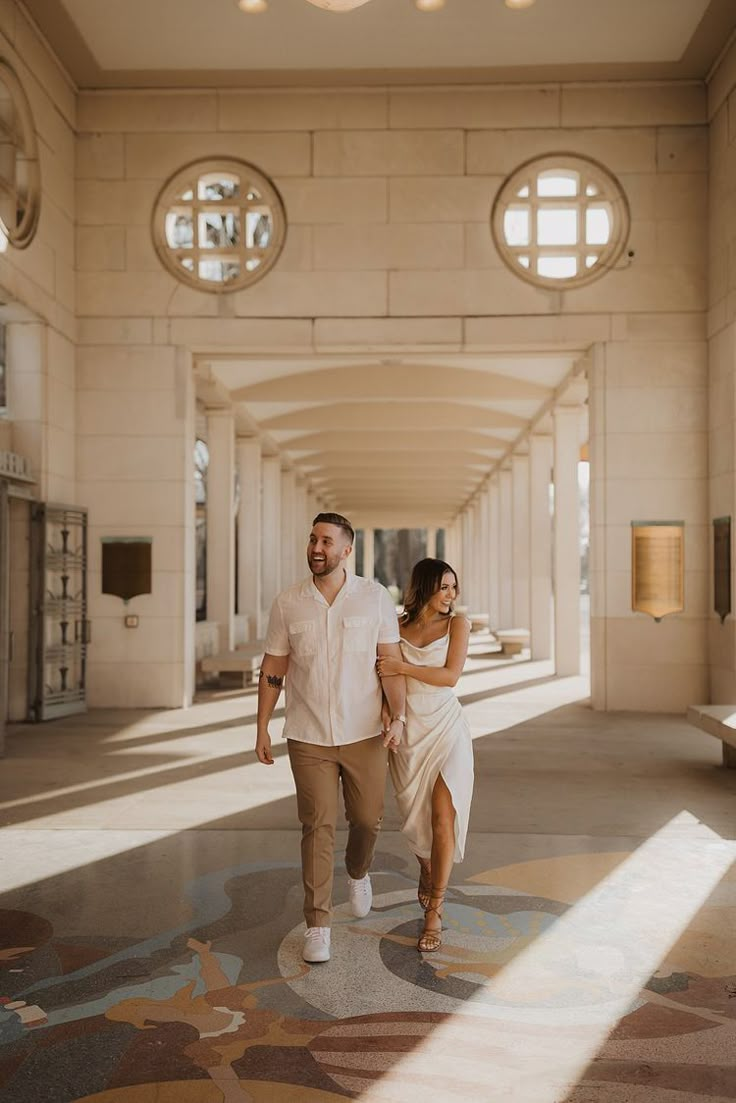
[(657, 567), (126, 566), (722, 566)]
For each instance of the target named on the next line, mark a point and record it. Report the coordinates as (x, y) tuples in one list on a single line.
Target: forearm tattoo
[(275, 681)]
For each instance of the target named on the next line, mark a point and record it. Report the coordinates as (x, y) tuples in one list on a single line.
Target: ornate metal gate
[(59, 625)]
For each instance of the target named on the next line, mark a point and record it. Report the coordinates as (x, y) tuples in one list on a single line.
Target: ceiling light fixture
[(255, 7), (517, 5), (338, 5)]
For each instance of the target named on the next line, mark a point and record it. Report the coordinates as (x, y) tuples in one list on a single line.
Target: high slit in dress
[(437, 741)]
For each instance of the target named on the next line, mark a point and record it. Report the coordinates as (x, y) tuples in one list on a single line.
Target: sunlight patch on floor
[(588, 970)]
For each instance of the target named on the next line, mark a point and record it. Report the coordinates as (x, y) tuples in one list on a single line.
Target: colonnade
[(516, 543), (259, 511)]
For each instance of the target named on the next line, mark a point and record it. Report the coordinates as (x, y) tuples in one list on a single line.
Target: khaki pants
[(317, 772)]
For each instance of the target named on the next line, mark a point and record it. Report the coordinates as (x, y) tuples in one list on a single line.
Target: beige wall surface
[(388, 195), (648, 455), (722, 351), (38, 282), (41, 277), (135, 411), (37, 289)]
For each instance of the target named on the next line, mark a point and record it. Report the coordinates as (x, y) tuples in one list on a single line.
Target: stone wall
[(388, 195), (722, 349), (37, 303)]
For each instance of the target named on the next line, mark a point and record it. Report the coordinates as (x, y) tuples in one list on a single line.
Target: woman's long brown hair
[(426, 579)]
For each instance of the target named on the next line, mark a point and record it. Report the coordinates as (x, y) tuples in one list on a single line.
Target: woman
[(432, 771)]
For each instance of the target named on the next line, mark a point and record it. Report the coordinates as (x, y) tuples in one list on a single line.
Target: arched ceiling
[(402, 441)]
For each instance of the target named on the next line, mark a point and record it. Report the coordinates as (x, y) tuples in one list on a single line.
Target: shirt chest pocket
[(303, 637), (357, 633)]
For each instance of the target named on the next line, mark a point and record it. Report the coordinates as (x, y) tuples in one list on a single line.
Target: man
[(327, 632)]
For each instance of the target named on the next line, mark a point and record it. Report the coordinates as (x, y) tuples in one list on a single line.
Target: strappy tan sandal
[(424, 888), (430, 941)]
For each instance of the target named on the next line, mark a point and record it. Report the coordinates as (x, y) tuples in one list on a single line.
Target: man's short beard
[(327, 569)]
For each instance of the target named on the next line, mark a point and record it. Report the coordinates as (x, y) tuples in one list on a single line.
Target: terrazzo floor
[(150, 917)]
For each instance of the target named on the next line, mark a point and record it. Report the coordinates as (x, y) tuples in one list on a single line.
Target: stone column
[(494, 536), (301, 528), (520, 539), (432, 543), (456, 543), (468, 558), (248, 452), (540, 474), (483, 551), (566, 540), (451, 547), (505, 564), (271, 532), (313, 508), (288, 539), (221, 524), (477, 560), (369, 553)]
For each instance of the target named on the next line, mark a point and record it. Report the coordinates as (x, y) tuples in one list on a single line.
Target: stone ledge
[(718, 721)]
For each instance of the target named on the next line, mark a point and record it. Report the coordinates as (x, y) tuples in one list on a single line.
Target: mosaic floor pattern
[(578, 969)]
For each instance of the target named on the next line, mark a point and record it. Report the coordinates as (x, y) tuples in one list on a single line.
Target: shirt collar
[(309, 589)]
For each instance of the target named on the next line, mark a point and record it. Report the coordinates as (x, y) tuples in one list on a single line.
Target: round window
[(219, 225), (560, 221), (20, 184)]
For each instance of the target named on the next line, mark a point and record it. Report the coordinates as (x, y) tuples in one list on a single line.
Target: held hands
[(263, 748), (387, 665), (392, 734)]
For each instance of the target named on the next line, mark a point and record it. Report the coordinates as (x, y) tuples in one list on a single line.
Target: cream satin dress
[(437, 741)]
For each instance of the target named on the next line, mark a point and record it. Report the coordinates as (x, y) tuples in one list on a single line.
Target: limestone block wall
[(722, 351), (37, 289), (38, 283), (388, 194), (649, 462), (42, 276), (41, 406), (135, 424)]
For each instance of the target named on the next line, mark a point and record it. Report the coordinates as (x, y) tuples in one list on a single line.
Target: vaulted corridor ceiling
[(404, 440)]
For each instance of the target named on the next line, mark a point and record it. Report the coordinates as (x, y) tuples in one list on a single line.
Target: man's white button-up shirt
[(333, 693)]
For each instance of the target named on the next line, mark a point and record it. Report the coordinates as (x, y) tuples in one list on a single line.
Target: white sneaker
[(316, 944), (361, 896)]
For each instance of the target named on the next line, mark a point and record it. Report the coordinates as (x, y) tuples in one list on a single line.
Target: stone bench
[(245, 660), (512, 640), (719, 721)]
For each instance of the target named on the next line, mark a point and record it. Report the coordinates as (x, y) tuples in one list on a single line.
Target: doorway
[(59, 625)]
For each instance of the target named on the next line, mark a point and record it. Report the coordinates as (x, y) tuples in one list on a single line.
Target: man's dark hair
[(336, 519)]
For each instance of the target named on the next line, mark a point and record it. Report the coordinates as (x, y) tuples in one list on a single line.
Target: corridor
[(151, 923)]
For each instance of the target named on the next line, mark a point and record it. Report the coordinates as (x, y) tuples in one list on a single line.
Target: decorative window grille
[(219, 225), (560, 221)]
